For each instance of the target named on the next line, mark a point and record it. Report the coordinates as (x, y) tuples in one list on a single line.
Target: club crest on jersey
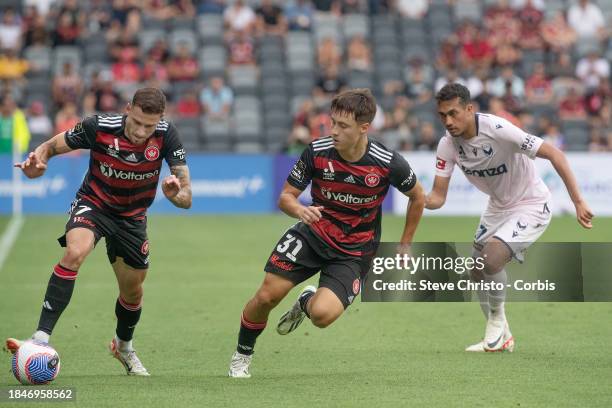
[(356, 286), (145, 247), (151, 153), (372, 180), (487, 149)]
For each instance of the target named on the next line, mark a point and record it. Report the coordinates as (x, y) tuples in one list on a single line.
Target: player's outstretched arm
[(289, 204), (36, 162), (584, 215), (414, 212), (177, 186), (437, 197)]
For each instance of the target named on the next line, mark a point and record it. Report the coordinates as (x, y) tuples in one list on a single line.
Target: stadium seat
[(215, 129), (467, 10), (210, 27), (243, 78), (67, 53), (248, 147), (183, 36), (96, 52), (246, 103), (355, 24), (213, 59), (147, 38), (39, 58), (217, 146)]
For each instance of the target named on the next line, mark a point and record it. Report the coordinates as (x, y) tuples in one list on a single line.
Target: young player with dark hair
[(339, 233)]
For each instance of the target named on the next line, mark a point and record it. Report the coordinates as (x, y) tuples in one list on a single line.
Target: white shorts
[(518, 228)]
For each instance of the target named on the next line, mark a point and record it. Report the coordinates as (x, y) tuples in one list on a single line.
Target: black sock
[(127, 318), (248, 335), (57, 297), (304, 302)]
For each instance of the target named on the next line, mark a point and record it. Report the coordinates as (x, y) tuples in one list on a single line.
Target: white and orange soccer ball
[(35, 363)]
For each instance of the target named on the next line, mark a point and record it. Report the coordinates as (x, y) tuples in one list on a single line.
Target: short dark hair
[(452, 91), (359, 102), (150, 100)]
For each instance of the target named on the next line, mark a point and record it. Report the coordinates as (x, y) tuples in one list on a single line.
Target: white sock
[(41, 336), (497, 297), (483, 295), (123, 346)]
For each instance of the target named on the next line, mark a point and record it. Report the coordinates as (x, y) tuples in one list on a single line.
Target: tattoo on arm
[(183, 198)]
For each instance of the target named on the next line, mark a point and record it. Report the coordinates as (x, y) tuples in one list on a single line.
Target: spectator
[(299, 138), (417, 67), (359, 55), (66, 118), (447, 55), (304, 113), (530, 18), (270, 19), (183, 66), (596, 99), (67, 85), (10, 30), (586, 19), (38, 121), (159, 51), (329, 53), (562, 67), (239, 17), (125, 47), (320, 123), (519, 4), (13, 126), (299, 15), (126, 70), (417, 89), (67, 31), (592, 69), (36, 31), (107, 99), (476, 50), (597, 141), (414, 9), (501, 23), (42, 6), (241, 49), (497, 107), (451, 76), (11, 66), (217, 99), (554, 136), (558, 36), (571, 107), (427, 137), (538, 88), (188, 105), (330, 82), (327, 6), (352, 7), (507, 54), (476, 82), (506, 79)]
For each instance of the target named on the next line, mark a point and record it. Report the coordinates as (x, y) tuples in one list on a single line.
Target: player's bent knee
[(74, 256), (322, 318), (266, 299)]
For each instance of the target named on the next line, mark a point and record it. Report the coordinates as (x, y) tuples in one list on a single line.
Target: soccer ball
[(35, 363)]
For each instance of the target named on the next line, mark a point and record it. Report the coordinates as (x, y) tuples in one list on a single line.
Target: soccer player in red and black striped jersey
[(339, 233), (126, 154)]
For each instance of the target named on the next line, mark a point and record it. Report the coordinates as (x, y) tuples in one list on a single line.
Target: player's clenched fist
[(33, 166), (171, 186), (311, 214)]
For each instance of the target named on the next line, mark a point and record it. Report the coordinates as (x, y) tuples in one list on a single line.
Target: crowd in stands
[(258, 75)]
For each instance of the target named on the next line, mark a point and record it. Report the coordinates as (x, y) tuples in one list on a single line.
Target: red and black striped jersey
[(123, 177), (350, 192)]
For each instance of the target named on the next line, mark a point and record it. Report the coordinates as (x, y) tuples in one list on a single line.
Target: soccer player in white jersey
[(497, 157)]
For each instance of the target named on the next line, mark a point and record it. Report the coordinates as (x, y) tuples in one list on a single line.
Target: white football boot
[(507, 346), (291, 319), (239, 366), (129, 359)]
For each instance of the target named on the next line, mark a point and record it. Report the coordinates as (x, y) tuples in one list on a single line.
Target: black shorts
[(125, 237), (299, 255)]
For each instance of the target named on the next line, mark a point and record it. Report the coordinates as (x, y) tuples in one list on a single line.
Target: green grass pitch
[(204, 268)]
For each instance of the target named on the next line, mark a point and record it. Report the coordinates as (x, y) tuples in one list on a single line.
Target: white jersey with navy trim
[(498, 161)]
